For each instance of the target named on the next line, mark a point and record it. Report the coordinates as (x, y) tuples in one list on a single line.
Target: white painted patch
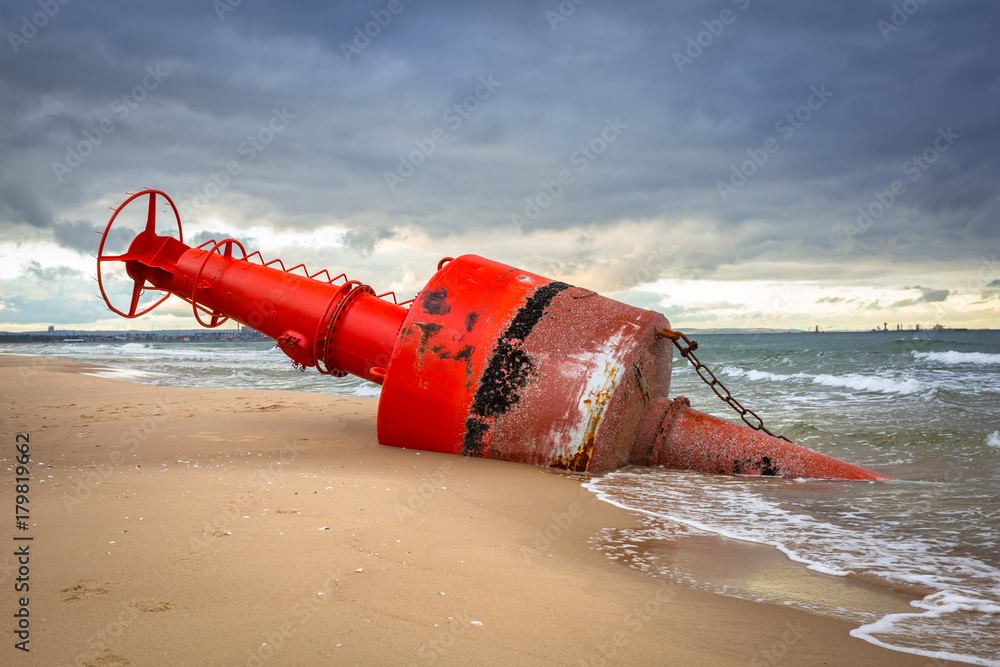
[(600, 371)]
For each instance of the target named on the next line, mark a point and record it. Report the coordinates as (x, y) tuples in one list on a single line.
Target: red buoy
[(488, 361)]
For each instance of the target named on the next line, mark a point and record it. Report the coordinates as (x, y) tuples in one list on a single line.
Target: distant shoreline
[(78, 336)]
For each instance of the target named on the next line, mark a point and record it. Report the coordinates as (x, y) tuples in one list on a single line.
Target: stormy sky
[(730, 163)]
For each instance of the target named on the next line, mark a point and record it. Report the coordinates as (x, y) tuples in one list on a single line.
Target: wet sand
[(182, 527)]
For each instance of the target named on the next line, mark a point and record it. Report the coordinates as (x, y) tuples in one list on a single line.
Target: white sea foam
[(854, 381), (934, 608), (953, 357), (367, 390), (870, 383), (127, 374), (993, 439), (851, 541), (755, 375)]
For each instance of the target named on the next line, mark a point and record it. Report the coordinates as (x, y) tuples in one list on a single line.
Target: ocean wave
[(919, 343), (755, 375), (954, 357), (935, 611), (854, 381), (367, 390), (197, 352), (848, 541), (870, 383)]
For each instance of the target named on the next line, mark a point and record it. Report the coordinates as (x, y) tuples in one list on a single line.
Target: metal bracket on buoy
[(714, 383)]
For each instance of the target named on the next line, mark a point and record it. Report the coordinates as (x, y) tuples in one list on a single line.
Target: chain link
[(706, 374)]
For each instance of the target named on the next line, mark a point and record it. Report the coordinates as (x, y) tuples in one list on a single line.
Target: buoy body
[(488, 361), (496, 362)]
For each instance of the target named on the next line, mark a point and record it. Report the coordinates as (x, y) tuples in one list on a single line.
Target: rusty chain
[(714, 383)]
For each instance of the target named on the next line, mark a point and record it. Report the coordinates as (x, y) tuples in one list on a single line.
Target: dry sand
[(227, 527)]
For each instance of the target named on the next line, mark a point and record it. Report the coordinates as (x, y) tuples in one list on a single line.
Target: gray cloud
[(20, 204), (170, 96), (365, 241), (79, 235), (991, 293), (196, 240), (927, 295)]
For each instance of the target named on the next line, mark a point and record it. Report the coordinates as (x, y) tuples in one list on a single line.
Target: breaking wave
[(847, 381), (953, 357)]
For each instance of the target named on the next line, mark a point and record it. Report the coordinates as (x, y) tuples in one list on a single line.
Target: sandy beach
[(178, 526)]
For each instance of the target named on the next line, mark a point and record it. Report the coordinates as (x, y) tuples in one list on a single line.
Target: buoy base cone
[(692, 440)]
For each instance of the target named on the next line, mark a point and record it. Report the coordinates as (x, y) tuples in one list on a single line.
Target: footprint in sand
[(190, 559), (82, 591), (154, 605), (106, 659)]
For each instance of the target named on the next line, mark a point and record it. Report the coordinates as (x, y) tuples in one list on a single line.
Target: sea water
[(922, 407), (211, 364)]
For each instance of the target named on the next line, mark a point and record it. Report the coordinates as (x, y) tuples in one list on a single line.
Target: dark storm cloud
[(927, 295), (991, 292), (20, 204), (79, 235), (849, 109), (365, 241)]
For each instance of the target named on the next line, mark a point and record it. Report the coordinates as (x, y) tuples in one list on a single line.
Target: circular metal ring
[(194, 287), (150, 229)]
